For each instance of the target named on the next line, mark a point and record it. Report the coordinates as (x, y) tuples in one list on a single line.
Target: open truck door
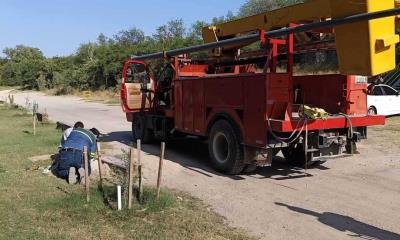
[(136, 87)]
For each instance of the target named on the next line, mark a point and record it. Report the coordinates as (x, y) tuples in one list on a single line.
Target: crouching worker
[(70, 165)]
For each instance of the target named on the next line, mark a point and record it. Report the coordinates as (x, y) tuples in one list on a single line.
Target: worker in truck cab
[(70, 164)]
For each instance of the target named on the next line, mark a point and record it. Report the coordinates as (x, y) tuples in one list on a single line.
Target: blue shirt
[(79, 138)]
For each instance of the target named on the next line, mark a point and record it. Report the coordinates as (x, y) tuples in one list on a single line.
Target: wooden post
[(160, 166), (139, 157), (34, 124), (34, 118), (87, 183), (100, 166), (130, 184)]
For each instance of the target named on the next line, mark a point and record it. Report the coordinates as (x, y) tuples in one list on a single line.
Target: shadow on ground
[(353, 227), (192, 153)]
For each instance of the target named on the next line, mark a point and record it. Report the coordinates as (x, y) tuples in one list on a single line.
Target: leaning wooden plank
[(114, 161)]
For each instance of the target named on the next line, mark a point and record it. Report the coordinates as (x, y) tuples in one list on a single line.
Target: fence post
[(130, 183), (139, 157), (87, 181), (160, 166), (100, 166), (34, 119)]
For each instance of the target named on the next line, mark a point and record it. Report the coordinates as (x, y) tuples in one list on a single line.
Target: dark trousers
[(67, 159)]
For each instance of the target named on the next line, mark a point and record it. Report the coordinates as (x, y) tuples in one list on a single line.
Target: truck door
[(136, 86)]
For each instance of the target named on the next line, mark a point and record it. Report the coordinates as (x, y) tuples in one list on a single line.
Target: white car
[(383, 100)]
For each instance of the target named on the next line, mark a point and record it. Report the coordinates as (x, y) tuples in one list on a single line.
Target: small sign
[(361, 79)]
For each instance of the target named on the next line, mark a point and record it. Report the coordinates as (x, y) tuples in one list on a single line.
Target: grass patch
[(2, 88), (37, 206), (392, 125)]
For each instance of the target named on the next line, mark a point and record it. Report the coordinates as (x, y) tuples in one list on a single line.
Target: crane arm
[(310, 11)]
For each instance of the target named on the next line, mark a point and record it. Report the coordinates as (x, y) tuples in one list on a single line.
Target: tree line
[(98, 65)]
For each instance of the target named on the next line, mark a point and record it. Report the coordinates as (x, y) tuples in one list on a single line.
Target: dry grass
[(386, 138), (104, 96), (111, 96)]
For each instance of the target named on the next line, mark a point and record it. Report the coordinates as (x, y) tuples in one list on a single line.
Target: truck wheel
[(295, 155), (372, 111), (140, 130), (227, 154)]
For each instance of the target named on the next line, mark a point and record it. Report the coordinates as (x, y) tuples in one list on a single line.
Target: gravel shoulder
[(344, 198)]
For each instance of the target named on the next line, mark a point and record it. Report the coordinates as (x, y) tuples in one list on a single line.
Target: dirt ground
[(344, 198)]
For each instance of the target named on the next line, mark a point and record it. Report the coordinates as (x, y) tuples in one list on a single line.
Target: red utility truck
[(249, 105)]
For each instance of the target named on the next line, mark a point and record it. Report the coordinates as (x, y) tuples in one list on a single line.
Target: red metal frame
[(334, 122)]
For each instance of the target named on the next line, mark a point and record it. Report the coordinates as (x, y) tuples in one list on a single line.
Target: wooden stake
[(34, 119), (100, 166), (139, 157), (160, 166), (87, 182), (130, 184), (34, 124)]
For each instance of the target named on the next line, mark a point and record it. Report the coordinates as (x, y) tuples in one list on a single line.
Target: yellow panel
[(359, 45), (312, 10)]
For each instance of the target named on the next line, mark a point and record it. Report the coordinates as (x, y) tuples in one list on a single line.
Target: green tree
[(252, 7), (129, 37), (23, 66)]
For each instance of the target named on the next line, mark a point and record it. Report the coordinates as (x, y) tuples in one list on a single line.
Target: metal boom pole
[(274, 33)]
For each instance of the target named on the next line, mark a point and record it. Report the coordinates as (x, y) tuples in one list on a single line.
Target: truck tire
[(227, 154), (372, 111), (140, 130)]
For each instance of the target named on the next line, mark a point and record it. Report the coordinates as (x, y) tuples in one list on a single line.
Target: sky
[(58, 27)]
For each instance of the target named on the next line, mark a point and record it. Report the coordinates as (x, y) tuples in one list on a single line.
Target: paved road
[(348, 198), (71, 109)]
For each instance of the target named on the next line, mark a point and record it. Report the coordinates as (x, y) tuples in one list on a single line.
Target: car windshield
[(389, 91), (377, 91)]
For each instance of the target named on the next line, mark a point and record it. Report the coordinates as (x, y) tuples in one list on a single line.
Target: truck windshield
[(137, 73)]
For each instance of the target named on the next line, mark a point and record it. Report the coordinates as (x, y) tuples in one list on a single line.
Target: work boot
[(81, 172), (72, 177)]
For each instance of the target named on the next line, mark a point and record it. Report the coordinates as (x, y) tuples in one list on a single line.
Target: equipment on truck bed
[(249, 104)]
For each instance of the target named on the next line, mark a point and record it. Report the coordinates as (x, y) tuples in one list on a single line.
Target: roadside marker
[(119, 198)]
